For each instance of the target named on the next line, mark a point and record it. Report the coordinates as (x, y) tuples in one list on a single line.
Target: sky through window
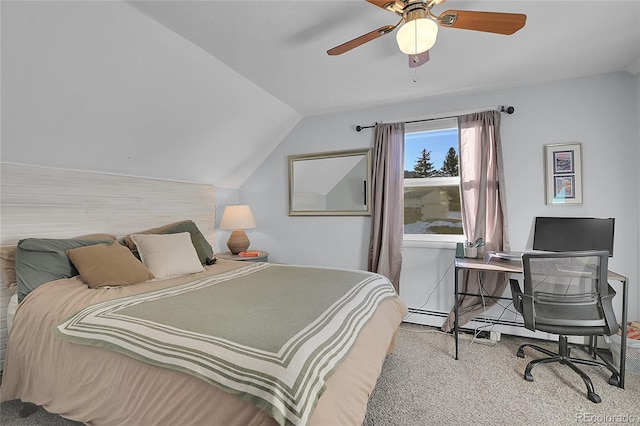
[(436, 141)]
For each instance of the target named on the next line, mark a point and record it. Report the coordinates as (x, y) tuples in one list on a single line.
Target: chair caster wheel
[(614, 380), (520, 353), (593, 397), (529, 377)]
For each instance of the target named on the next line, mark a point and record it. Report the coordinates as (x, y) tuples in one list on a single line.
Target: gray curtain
[(483, 207), (387, 217)]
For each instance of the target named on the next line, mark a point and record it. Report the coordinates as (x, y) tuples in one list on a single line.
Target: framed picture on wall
[(563, 162), (564, 186), (563, 173)]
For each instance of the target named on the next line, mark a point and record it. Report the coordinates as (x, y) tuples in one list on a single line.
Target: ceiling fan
[(419, 26)]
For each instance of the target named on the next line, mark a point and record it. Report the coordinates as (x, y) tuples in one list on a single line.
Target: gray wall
[(600, 112)]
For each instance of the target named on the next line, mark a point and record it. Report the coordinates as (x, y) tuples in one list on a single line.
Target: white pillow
[(168, 255)]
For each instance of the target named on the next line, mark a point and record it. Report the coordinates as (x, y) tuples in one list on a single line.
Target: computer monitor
[(573, 234)]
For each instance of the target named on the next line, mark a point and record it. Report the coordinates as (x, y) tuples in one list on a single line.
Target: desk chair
[(567, 294)]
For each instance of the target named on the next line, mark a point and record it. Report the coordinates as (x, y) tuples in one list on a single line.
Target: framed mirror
[(330, 183)]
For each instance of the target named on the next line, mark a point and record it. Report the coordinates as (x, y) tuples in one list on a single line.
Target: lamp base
[(238, 241)]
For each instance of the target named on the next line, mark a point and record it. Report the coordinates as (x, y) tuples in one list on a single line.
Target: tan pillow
[(168, 255), (127, 241), (96, 237), (103, 265), (8, 267)]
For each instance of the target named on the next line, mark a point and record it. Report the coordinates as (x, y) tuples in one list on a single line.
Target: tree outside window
[(432, 193)]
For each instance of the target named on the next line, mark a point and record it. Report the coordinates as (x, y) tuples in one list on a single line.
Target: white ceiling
[(137, 87), (281, 46)]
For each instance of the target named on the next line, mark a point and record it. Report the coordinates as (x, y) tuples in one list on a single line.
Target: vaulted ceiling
[(205, 90), (281, 46)]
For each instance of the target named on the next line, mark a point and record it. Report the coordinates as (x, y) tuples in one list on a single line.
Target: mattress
[(103, 387)]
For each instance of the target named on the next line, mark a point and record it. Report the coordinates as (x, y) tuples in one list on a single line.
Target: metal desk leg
[(623, 343), (455, 311)]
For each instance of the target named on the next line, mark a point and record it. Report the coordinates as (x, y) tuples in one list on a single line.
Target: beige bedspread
[(100, 387)]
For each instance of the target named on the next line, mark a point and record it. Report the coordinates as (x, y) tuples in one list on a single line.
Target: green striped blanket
[(270, 334)]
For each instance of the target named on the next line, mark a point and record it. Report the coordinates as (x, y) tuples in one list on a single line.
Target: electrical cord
[(488, 323), (476, 331), (405, 328), (432, 291)]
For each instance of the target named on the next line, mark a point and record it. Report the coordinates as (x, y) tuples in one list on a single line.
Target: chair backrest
[(568, 289)]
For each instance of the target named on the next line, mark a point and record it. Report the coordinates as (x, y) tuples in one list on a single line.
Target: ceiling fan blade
[(491, 22), (390, 5), (345, 47), (380, 3), (419, 59)]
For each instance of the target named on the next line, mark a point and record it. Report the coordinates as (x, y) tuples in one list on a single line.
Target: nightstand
[(262, 257)]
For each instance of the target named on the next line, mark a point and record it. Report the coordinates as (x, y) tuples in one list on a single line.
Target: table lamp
[(237, 217)]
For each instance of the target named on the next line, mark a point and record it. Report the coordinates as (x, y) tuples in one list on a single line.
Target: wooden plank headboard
[(54, 203)]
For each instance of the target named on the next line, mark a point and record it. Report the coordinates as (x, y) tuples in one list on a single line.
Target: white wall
[(224, 197), (600, 112), (335, 241), (100, 86)]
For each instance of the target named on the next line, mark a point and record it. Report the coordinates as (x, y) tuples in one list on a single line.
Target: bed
[(108, 354)]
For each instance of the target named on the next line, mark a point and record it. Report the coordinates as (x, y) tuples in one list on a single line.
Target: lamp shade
[(237, 217), (417, 36)]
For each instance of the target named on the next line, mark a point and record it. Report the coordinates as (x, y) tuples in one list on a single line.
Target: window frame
[(433, 240)]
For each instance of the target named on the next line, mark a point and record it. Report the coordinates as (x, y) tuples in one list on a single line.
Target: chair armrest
[(519, 297), (516, 294)]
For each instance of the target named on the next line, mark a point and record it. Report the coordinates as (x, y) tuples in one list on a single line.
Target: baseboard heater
[(479, 318)]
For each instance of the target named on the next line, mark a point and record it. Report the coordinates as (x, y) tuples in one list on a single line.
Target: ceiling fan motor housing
[(414, 11)]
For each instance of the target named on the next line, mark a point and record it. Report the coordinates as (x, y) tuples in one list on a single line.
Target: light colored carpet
[(421, 384)]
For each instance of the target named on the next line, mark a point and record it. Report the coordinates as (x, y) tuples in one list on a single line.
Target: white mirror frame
[(351, 185)]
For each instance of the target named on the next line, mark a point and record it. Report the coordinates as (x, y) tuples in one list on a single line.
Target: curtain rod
[(508, 109)]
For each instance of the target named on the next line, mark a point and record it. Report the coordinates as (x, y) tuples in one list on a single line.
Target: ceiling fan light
[(417, 36)]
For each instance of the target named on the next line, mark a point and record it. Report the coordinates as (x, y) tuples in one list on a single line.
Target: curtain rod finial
[(507, 109)]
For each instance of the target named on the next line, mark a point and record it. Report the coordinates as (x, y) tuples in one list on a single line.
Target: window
[(432, 210)]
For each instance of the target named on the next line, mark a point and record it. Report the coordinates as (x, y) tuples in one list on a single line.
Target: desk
[(515, 267)]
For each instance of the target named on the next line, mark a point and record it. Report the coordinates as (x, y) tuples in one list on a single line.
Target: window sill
[(433, 241)]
